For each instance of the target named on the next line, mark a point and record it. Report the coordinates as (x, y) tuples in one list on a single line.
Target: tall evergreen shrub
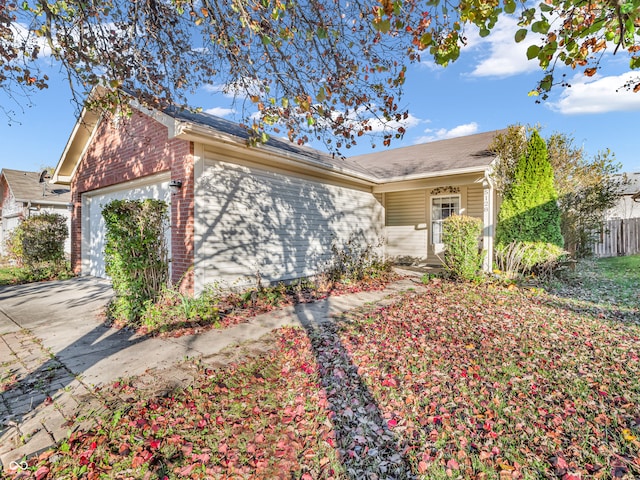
[(529, 211), (136, 256)]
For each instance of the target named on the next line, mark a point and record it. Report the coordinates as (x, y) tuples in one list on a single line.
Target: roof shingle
[(424, 159), (458, 153), (26, 186)]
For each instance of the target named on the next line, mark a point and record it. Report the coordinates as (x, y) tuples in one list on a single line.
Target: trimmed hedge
[(462, 256)]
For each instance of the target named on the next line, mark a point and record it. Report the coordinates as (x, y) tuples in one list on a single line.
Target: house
[(274, 210), (627, 207), (620, 233), (23, 194)]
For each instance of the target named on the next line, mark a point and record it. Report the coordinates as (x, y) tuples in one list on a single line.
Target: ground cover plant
[(354, 267), (16, 275), (449, 381), (177, 314)]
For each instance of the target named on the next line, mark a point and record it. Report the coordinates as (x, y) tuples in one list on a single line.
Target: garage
[(274, 224), (93, 228)]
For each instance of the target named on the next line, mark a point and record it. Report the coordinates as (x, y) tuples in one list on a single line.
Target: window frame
[(457, 211)]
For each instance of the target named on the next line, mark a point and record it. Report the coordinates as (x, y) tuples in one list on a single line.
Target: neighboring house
[(274, 209), (627, 207), (23, 194), (620, 234)]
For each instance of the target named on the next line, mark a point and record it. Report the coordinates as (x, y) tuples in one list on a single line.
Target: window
[(441, 208)]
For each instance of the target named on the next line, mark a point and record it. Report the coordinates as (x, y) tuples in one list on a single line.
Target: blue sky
[(486, 89)]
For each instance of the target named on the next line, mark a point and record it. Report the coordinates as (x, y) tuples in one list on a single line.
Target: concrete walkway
[(56, 354)]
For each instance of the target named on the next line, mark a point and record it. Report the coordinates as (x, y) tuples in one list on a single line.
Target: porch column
[(488, 220)]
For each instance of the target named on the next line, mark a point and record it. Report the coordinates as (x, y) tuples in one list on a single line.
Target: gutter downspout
[(488, 233)]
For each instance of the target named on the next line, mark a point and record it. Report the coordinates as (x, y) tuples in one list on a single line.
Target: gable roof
[(445, 157), (228, 127), (26, 187), (456, 155)]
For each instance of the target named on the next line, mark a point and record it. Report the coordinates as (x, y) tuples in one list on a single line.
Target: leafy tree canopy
[(308, 67), (587, 186)]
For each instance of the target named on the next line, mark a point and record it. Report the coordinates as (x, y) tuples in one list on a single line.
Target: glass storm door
[(441, 208)]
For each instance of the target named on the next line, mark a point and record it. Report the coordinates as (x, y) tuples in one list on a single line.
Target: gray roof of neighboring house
[(441, 156), (424, 159), (26, 186)]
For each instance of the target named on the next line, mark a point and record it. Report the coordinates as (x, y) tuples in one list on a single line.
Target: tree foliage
[(306, 66), (586, 186), (529, 211)]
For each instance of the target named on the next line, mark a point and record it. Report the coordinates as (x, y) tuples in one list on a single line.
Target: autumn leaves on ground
[(451, 381)]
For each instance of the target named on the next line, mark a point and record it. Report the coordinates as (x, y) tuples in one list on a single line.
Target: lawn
[(449, 381), (608, 287)]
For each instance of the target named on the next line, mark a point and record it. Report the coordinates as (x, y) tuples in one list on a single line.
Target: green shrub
[(354, 260), (14, 246), (43, 238), (529, 211), (38, 245), (462, 257), (136, 255)]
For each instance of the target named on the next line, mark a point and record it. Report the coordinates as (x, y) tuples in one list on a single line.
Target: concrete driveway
[(56, 354)]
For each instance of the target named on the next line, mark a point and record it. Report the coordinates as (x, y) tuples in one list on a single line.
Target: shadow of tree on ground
[(366, 446)]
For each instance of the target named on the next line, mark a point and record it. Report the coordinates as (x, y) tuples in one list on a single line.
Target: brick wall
[(131, 149)]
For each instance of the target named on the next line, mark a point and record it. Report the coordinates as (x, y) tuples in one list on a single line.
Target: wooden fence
[(618, 237)]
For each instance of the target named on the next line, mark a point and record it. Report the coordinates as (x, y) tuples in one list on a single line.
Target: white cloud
[(380, 126), (506, 57), (220, 111), (22, 36), (213, 88), (243, 87), (598, 95), (431, 66), (443, 134)]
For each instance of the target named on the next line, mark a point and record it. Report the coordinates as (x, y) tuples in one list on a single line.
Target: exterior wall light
[(175, 186)]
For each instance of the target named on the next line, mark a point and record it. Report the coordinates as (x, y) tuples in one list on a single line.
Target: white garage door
[(93, 227)]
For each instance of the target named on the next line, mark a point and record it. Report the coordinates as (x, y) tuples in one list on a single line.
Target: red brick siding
[(134, 148), (182, 231)]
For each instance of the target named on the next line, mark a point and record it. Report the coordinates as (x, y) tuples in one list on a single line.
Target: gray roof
[(26, 186), (231, 128), (430, 158), (423, 159)]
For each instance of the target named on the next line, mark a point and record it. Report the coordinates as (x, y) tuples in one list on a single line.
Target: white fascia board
[(274, 156), (62, 180), (410, 182), (83, 122), (209, 136)]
